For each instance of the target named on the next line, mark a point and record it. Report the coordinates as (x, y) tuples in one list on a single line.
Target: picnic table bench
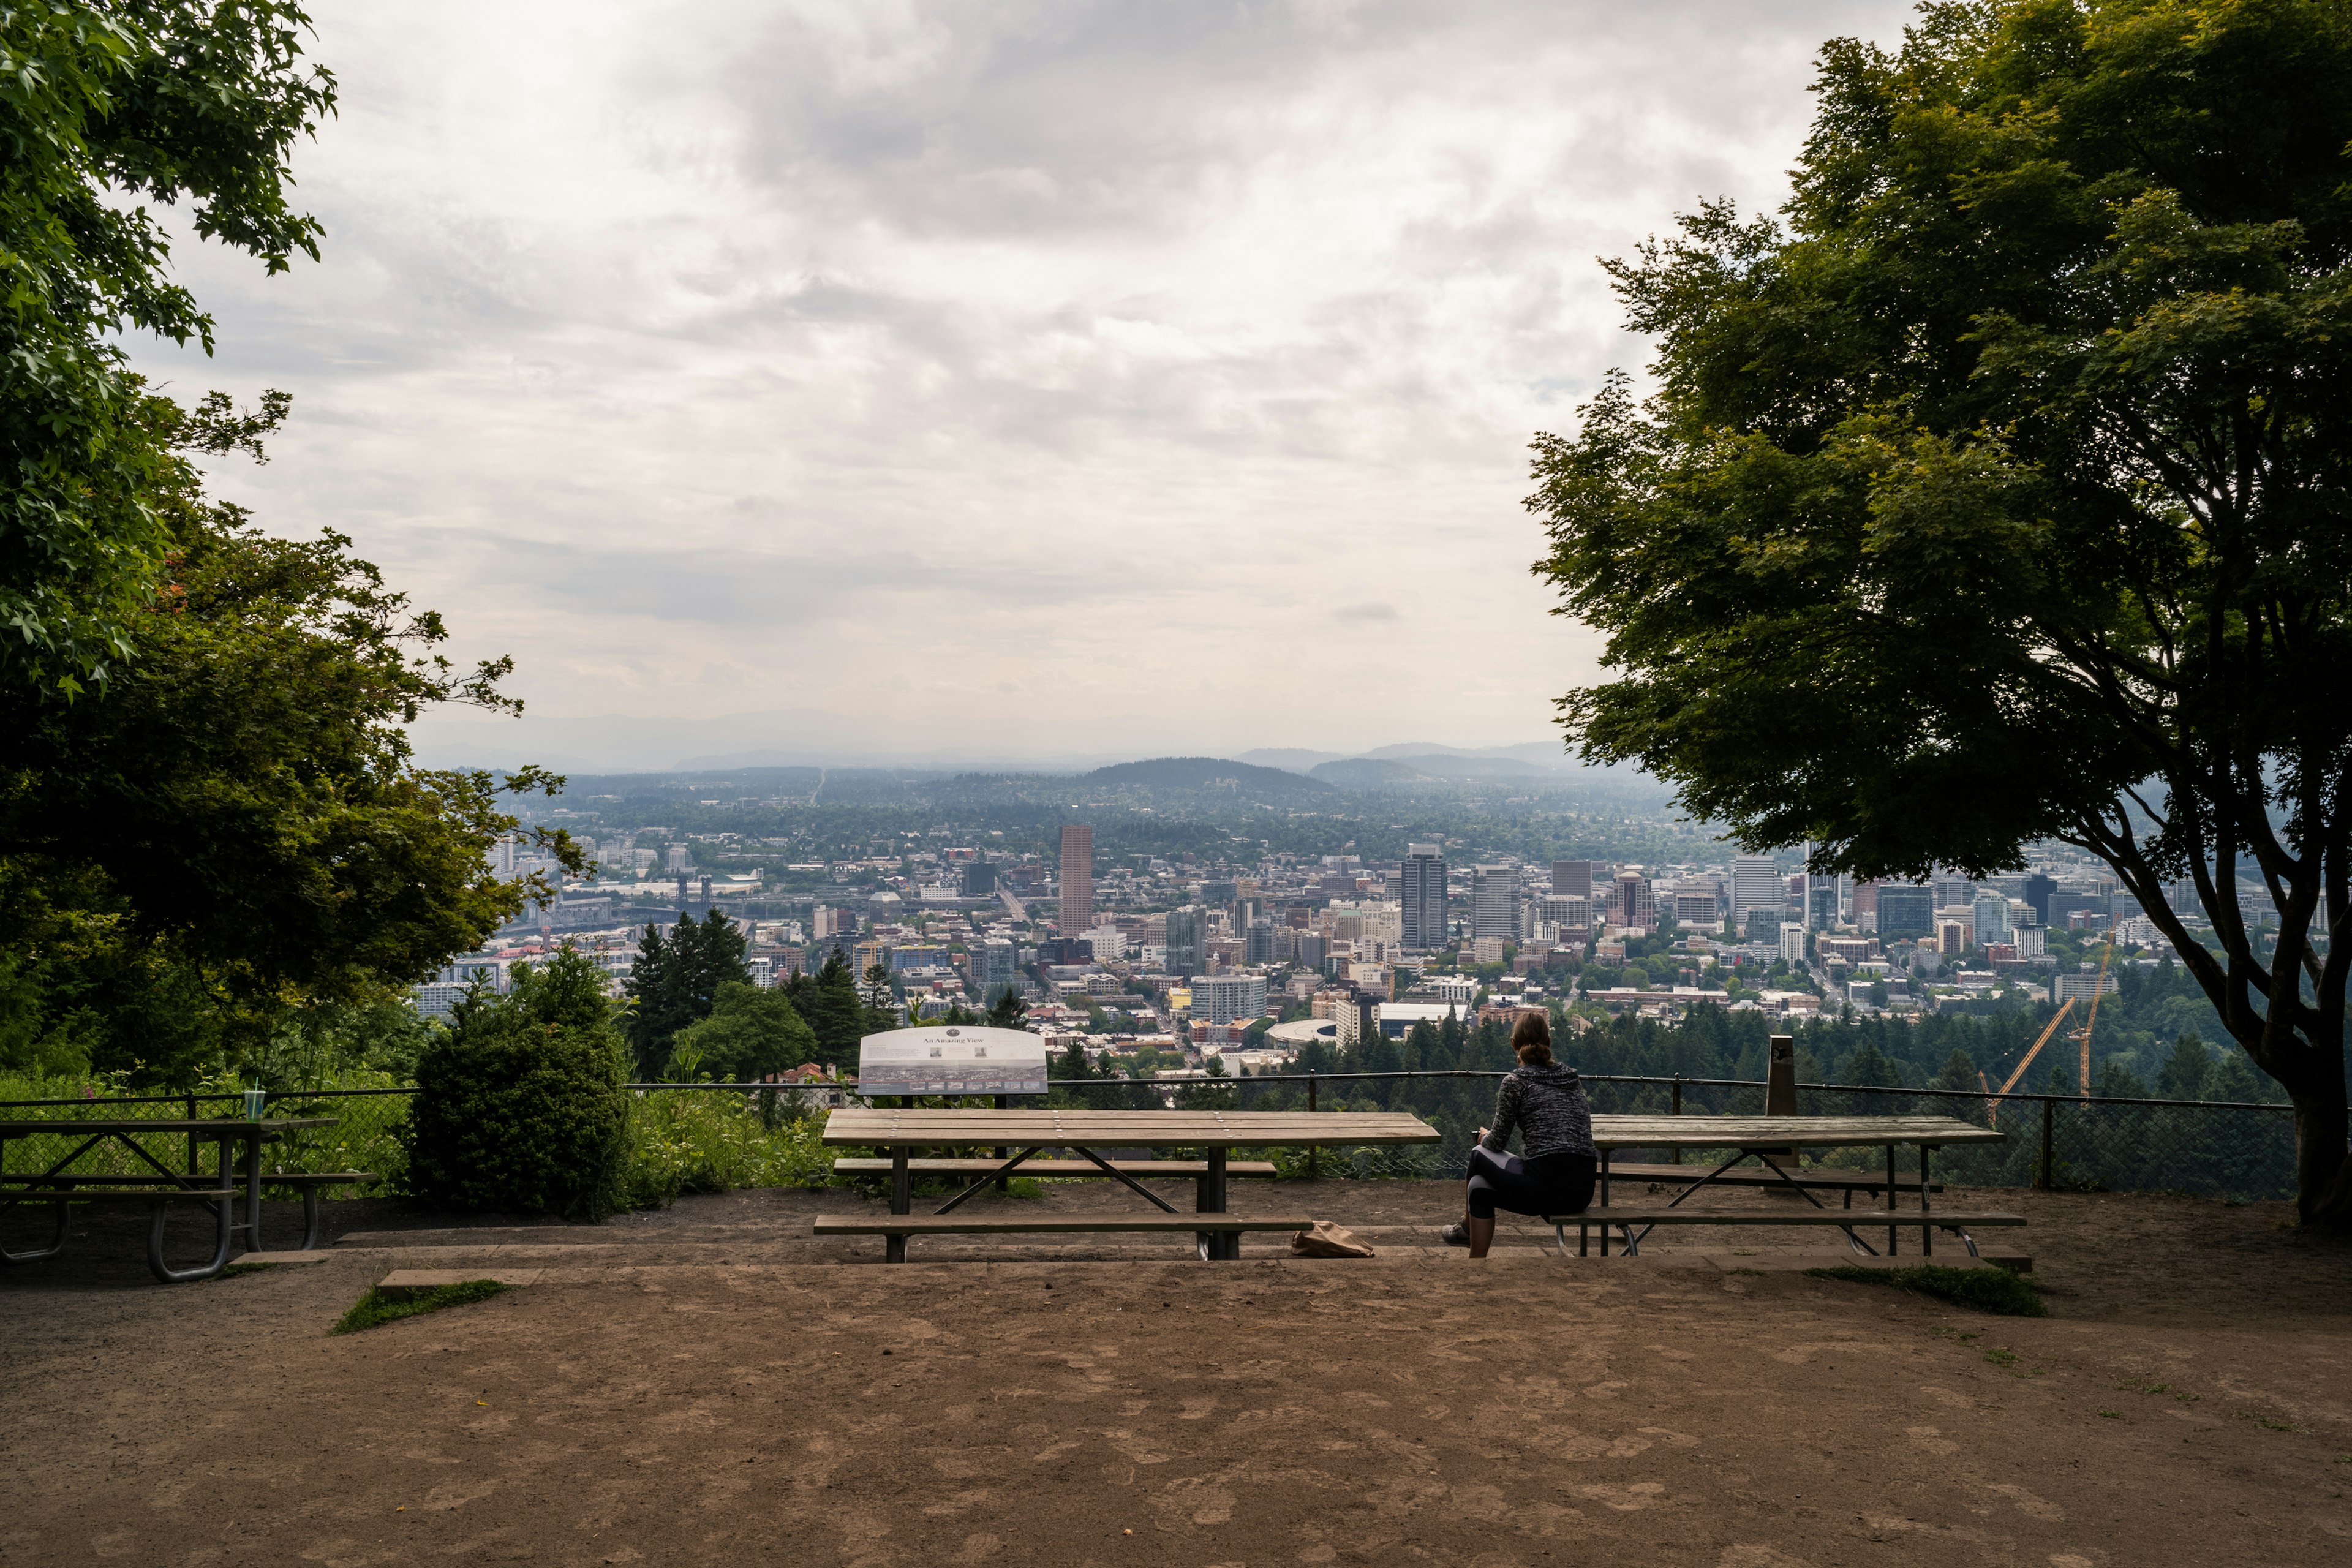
[(161, 1187), (1085, 1133), (1762, 1139)]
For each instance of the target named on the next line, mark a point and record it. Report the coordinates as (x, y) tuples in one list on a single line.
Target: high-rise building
[(975, 880), (1632, 903), (994, 970), (1906, 910), (1992, 917), (1494, 902), (1259, 941), (1571, 878), (1422, 881), (1228, 998), (1755, 885), (1822, 902), (2038, 889), (1078, 878), (1188, 929)]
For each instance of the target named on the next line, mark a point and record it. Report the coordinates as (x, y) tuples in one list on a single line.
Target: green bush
[(703, 1141), (750, 1034), (522, 1107)]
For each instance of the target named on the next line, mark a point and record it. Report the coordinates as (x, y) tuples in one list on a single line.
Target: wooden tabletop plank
[(1783, 1132), (1135, 1129)]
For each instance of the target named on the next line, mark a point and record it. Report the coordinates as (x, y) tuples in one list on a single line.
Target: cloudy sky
[(1025, 380)]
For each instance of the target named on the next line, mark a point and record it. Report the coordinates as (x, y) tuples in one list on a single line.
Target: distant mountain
[(1453, 765), (1289, 759), (1205, 772), (1546, 756), (1367, 773)]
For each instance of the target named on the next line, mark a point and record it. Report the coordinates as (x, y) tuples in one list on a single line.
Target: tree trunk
[(2323, 1175)]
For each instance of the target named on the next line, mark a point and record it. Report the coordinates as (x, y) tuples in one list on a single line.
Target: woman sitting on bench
[(1544, 1102)]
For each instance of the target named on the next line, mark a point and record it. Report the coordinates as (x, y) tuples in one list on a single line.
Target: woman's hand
[(1482, 1135)]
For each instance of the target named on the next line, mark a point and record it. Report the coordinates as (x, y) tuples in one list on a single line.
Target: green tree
[(236, 828), (1008, 1011), (673, 982), (749, 1034), (521, 1105), (104, 106), (829, 1002), (2000, 492)]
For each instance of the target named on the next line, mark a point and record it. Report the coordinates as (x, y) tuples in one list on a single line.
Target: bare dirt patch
[(712, 1385)]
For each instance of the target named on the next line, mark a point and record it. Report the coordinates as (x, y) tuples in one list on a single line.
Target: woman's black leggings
[(1548, 1183)]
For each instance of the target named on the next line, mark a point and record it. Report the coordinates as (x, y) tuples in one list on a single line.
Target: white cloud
[(1082, 377)]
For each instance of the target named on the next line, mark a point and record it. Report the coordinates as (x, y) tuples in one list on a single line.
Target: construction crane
[(1992, 1106), (2090, 1022)]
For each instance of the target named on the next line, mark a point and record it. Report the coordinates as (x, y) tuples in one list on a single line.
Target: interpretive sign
[(951, 1058)]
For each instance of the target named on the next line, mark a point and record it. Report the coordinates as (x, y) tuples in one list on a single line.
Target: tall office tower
[(1571, 878), (2038, 889), (1494, 902), (1823, 904), (1078, 879), (994, 970), (1905, 911), (1422, 880), (1992, 918), (1635, 904), (1187, 930), (1755, 885)]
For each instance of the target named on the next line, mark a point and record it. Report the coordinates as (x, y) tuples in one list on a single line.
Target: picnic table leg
[(253, 1191), (1223, 1244), (1890, 1198), (902, 1201), (1927, 1231), (1003, 1184), (1604, 1199)]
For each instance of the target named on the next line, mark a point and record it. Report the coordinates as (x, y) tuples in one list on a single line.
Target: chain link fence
[(2239, 1150)]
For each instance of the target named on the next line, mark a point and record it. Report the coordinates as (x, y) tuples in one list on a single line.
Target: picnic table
[(1761, 1138), (1086, 1133), (157, 1187)]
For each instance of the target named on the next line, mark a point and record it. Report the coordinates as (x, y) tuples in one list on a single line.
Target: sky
[(1023, 382)]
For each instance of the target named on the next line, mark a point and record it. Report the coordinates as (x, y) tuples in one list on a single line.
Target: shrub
[(710, 1140), (750, 1034), (521, 1107)]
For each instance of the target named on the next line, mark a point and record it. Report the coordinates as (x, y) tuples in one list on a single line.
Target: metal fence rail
[(2237, 1149)]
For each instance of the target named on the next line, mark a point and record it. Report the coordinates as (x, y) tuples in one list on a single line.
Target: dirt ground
[(711, 1385)]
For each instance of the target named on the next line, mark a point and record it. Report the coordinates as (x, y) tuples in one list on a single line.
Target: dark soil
[(711, 1385)]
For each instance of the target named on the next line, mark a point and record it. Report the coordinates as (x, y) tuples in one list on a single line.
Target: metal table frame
[(1930, 1134), (56, 1185)]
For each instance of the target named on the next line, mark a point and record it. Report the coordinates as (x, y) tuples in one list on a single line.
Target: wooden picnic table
[(1030, 1133), (1761, 1137), (58, 1185)]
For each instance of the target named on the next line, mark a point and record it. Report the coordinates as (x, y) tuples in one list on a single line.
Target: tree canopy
[(1997, 493), (675, 982), (103, 107), (235, 825)]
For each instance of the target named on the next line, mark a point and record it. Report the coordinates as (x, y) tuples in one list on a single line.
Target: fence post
[(2046, 1178), (1675, 1155), (193, 1168), (1313, 1150)]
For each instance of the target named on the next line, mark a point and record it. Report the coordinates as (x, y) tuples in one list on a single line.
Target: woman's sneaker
[(1456, 1235)]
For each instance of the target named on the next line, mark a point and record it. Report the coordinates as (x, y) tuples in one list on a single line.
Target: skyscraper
[(1078, 879), (1635, 904), (1187, 929), (1571, 878), (1422, 877), (1494, 902), (1992, 918), (1906, 910), (1755, 885)]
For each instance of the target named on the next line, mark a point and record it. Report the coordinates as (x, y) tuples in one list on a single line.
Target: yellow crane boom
[(2091, 1020), (1992, 1106)]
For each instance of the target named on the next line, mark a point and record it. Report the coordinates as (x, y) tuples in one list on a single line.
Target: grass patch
[(1995, 1290), (376, 1309)]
